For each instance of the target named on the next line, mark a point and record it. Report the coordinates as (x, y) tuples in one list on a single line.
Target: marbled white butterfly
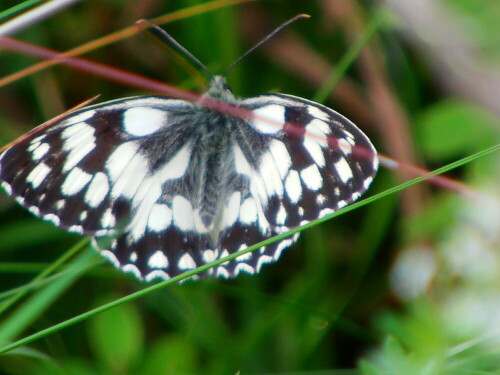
[(166, 185)]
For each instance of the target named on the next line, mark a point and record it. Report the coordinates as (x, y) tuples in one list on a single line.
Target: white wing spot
[(344, 170), (33, 146), (108, 220), (75, 181), (281, 157), (349, 138), (224, 254), (178, 165), (243, 257), (243, 267), (120, 158), (270, 175), (157, 274), (186, 262), (55, 219), (318, 129), (311, 177), (326, 211), (269, 119), (130, 268), (40, 151), (248, 211), (83, 215), (232, 209), (129, 172), (109, 255), (345, 146), (79, 141), (158, 260), (241, 163), (38, 174), (367, 182), (263, 259), (81, 117), (320, 199), (36, 141), (60, 204), (141, 121), (281, 215), (97, 190), (293, 186), (209, 255), (160, 217), (182, 213), (318, 113), (7, 187), (34, 210), (315, 151), (148, 192), (283, 245), (222, 272), (73, 228)]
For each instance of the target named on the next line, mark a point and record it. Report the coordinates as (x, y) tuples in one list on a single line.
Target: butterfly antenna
[(165, 37), (269, 36)]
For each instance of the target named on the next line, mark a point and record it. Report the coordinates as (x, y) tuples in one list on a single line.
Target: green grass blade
[(38, 303), (18, 9), (49, 270)]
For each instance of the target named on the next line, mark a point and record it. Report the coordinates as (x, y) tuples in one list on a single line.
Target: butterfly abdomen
[(212, 165)]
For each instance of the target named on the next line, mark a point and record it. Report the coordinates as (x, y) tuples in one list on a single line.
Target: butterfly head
[(219, 90)]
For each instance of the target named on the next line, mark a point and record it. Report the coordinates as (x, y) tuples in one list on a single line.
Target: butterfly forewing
[(165, 185), (317, 178), (81, 172)]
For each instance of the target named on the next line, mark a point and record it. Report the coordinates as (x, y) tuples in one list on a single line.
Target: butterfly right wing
[(305, 162)]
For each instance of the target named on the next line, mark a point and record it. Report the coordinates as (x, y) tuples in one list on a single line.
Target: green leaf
[(33, 308), (117, 337), (393, 351), (368, 368), (452, 128), (171, 355)]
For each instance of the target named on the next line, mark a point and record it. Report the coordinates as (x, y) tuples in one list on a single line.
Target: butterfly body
[(165, 185)]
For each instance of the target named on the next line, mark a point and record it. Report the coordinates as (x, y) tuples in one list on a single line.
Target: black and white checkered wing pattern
[(103, 171), (164, 186), (306, 162), (85, 172)]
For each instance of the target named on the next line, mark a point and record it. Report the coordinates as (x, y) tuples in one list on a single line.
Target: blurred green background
[(409, 284)]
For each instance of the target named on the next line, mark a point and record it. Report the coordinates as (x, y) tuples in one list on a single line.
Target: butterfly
[(165, 185)]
